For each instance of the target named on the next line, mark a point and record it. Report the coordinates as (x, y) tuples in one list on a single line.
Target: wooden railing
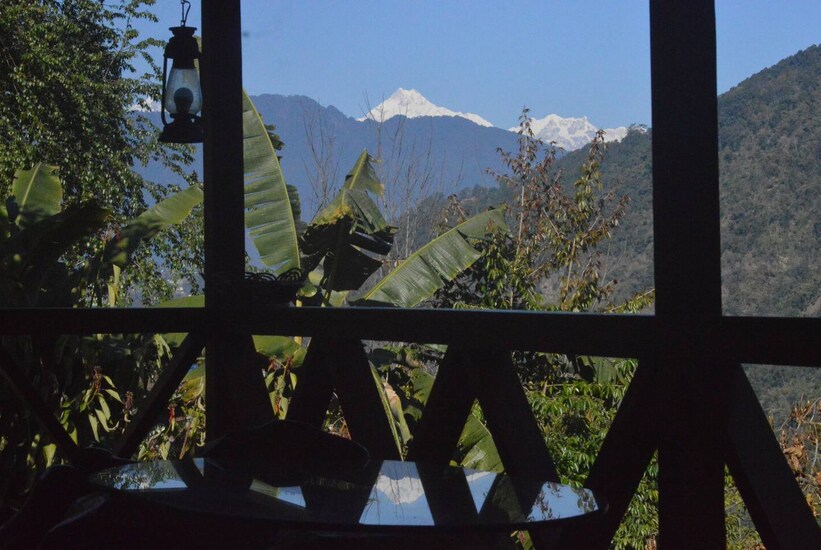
[(478, 366)]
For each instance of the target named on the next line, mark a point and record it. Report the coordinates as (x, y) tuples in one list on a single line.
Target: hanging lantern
[(181, 92)]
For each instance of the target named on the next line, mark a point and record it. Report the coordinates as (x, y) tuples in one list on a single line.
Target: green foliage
[(184, 428), (348, 232), (428, 269), (80, 378), (69, 97), (550, 261), (171, 211), (37, 236), (554, 241), (37, 192)]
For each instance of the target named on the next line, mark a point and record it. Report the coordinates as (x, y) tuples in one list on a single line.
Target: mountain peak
[(570, 133), (412, 104)]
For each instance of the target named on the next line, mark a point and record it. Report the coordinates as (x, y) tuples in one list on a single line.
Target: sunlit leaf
[(428, 269), (104, 406), (170, 211), (349, 234), (38, 193), (476, 447), (49, 452), (363, 176), (92, 420), (101, 416), (113, 394), (275, 346), (269, 214)]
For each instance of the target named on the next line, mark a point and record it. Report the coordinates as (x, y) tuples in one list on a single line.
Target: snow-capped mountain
[(412, 104), (570, 133)]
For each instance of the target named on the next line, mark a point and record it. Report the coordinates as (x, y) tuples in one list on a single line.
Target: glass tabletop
[(382, 496)]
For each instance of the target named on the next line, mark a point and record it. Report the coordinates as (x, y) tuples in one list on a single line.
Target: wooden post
[(235, 390), (687, 270)]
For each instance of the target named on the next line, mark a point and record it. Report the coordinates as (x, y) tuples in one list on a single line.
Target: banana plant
[(342, 245), (170, 211), (475, 448), (340, 249), (36, 233), (349, 234), (441, 260), (38, 193)]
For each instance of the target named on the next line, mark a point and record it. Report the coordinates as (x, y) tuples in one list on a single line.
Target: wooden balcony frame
[(689, 376)]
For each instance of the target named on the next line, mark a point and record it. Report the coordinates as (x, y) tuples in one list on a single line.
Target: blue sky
[(569, 57)]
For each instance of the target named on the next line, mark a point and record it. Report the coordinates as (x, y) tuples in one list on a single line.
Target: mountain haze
[(414, 140), (450, 151)]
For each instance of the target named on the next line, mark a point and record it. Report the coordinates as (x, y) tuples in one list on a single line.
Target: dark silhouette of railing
[(689, 399)]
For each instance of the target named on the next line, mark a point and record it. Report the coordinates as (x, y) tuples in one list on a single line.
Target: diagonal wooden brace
[(29, 396), (162, 391)]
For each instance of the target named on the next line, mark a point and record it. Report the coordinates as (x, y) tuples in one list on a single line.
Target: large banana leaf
[(476, 448), (38, 193), (162, 215), (348, 231), (428, 269), (31, 255), (269, 216)]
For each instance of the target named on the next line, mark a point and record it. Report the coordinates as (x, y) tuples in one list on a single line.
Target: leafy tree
[(551, 261), (70, 97), (340, 249), (78, 377)]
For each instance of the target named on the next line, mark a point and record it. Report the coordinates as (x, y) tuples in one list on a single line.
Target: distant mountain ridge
[(410, 135), (571, 133), (769, 154), (449, 153), (568, 133), (412, 104)]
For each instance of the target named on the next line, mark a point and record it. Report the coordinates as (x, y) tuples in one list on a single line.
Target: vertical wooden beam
[(686, 230), (235, 390), (687, 268)]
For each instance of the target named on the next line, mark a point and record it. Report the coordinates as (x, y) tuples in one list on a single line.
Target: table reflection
[(397, 497), (383, 494)]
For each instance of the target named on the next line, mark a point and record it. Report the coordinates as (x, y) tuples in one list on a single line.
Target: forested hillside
[(770, 154), (770, 160)]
